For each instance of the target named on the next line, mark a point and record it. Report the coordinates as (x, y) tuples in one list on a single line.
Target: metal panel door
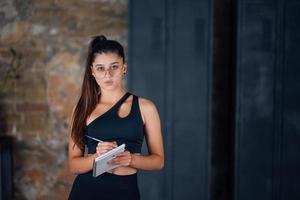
[(267, 149), (170, 63)]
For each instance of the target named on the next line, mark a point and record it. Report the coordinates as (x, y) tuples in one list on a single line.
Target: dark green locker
[(267, 145), (170, 62)]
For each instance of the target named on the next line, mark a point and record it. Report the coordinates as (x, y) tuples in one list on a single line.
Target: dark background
[(225, 75)]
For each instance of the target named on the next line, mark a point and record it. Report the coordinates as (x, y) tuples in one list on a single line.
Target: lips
[(108, 82)]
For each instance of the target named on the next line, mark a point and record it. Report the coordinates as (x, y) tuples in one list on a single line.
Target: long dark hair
[(90, 90)]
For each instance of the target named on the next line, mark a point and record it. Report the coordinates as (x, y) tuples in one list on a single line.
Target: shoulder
[(147, 107), (145, 103)]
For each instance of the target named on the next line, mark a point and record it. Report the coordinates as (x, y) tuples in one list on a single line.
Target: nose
[(108, 72)]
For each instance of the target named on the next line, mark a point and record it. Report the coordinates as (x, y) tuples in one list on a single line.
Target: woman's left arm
[(155, 159)]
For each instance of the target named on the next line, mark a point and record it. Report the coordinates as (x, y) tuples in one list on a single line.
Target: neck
[(111, 96)]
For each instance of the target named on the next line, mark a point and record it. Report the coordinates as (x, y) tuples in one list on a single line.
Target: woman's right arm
[(78, 163)]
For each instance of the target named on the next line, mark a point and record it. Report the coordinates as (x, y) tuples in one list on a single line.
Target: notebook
[(100, 164)]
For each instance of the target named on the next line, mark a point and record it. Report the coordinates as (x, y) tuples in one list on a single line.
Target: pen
[(93, 138)]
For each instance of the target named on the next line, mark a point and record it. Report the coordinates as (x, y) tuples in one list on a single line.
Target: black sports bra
[(110, 127)]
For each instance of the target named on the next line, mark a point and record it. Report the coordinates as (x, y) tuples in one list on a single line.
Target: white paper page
[(100, 164)]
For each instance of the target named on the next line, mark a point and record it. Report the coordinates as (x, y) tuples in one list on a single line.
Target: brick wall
[(42, 52)]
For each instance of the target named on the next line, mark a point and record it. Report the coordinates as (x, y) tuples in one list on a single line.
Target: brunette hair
[(90, 90)]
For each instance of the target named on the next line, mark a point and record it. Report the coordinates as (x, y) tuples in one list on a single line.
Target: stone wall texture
[(43, 44)]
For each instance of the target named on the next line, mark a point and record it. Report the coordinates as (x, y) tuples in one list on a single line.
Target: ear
[(125, 67), (92, 70)]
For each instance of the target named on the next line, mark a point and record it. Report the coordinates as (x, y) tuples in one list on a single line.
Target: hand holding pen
[(123, 159), (103, 146)]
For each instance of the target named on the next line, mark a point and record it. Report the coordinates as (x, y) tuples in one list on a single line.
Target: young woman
[(108, 112)]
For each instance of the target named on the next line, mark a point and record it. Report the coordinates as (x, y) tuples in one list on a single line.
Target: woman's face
[(108, 70)]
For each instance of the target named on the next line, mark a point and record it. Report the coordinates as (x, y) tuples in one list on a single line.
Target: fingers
[(108, 144), (125, 153), (123, 159), (103, 147), (101, 151)]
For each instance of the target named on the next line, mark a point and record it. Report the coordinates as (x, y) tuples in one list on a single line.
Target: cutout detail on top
[(127, 110)]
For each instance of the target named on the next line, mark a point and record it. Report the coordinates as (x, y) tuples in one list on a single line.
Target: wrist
[(133, 160)]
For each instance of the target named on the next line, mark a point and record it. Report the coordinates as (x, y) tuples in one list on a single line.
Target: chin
[(109, 88)]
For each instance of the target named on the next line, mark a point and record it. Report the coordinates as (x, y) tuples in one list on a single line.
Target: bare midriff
[(123, 170)]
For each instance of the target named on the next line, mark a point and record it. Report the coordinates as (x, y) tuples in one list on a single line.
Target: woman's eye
[(114, 67), (100, 69)]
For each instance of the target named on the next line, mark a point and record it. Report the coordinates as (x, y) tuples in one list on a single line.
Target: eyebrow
[(110, 64)]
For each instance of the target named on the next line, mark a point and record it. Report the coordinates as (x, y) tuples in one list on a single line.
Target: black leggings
[(107, 186)]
